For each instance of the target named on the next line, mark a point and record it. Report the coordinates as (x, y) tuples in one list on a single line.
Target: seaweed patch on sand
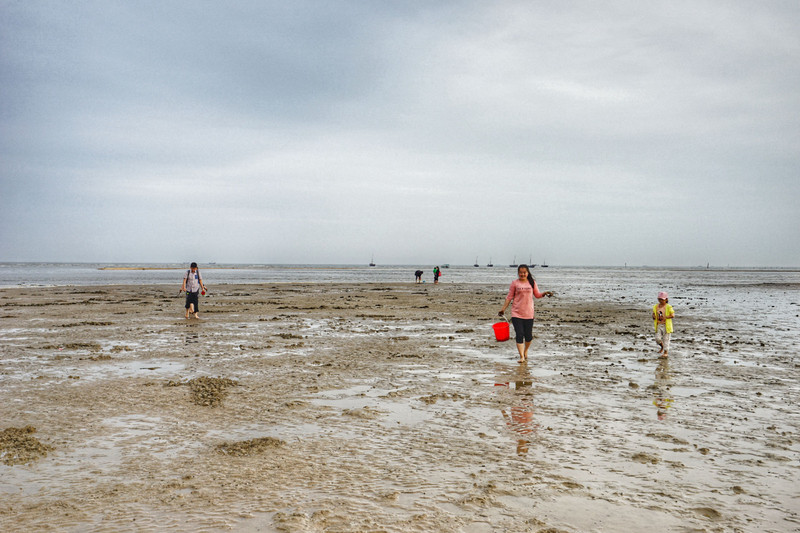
[(249, 447), (210, 391), (206, 391), (17, 446)]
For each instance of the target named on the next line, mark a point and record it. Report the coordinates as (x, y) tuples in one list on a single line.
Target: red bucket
[(501, 331)]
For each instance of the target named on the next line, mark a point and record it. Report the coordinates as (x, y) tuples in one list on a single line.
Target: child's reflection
[(663, 383)]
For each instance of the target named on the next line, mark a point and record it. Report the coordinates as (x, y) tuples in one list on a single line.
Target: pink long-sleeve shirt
[(522, 295)]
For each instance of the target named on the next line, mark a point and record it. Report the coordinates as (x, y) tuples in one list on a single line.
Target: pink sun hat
[(662, 295)]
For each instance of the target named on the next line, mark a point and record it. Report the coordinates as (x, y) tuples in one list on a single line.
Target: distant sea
[(589, 282)]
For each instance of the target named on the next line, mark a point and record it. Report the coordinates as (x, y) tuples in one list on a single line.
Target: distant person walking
[(436, 274), (662, 319), (192, 283), (418, 275), (521, 293)]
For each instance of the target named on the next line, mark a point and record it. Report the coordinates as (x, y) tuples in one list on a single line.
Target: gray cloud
[(328, 131)]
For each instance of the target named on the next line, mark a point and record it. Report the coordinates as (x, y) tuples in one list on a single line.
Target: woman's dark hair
[(530, 276), (193, 265)]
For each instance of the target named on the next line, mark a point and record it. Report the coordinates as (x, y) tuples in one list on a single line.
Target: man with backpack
[(192, 283)]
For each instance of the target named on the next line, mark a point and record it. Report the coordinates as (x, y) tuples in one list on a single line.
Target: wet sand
[(386, 408)]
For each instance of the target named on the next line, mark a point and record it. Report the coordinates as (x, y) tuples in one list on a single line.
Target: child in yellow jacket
[(662, 318)]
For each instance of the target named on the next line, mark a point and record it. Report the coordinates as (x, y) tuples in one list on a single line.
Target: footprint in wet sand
[(708, 512)]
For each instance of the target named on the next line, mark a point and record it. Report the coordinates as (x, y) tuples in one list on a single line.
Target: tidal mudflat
[(340, 407)]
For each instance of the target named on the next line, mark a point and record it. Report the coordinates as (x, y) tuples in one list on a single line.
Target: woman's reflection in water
[(519, 415)]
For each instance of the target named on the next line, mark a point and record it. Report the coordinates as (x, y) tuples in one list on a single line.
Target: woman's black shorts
[(523, 328)]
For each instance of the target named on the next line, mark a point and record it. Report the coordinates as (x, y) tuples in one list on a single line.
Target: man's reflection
[(663, 383), (192, 337)]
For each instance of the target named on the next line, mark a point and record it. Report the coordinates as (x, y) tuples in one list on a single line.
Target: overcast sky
[(580, 133)]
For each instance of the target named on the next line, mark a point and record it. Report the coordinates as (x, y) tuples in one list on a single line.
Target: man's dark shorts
[(193, 298)]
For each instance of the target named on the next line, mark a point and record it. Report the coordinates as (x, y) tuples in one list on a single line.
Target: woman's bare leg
[(521, 348)]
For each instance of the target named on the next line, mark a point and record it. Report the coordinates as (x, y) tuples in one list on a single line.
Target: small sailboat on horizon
[(372, 261)]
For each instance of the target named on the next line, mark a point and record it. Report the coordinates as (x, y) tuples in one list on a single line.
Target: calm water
[(589, 281)]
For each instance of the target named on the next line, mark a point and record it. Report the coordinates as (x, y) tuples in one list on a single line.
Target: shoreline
[(630, 281), (166, 268)]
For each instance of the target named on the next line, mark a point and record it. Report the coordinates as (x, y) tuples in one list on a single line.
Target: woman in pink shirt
[(521, 292)]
